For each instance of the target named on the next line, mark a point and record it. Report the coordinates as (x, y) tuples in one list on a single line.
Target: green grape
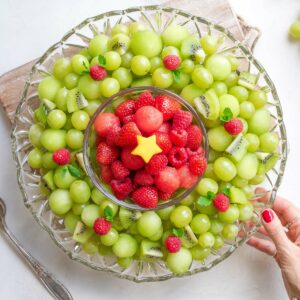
[(216, 226), (219, 139), (70, 221), (239, 92), (189, 200), (234, 62), (229, 101), (56, 119), (258, 98), (123, 76), (120, 28), (53, 139), (209, 172), (213, 155), (80, 119), (98, 45), (199, 253), (74, 139), (48, 88), (109, 87), (61, 99), (223, 185), (157, 236), (165, 213), (80, 191), (230, 231), (140, 65), (149, 223), (71, 81), (35, 133), (248, 166), (295, 29), (170, 50), (231, 80), (180, 261), (126, 246), (187, 66), (89, 214), (48, 162), (220, 88), (260, 122), (207, 185), (245, 125), (85, 52), (92, 107), (230, 215), (181, 216), (247, 110), (94, 61), (239, 182), (181, 82), (105, 251), (125, 262), (113, 60), (219, 242), (77, 208), (35, 158), (249, 192), (142, 82), (89, 87), (268, 141), (246, 211), (190, 92), (206, 240), (63, 178), (68, 124), (162, 78), (91, 246), (210, 44), (89, 181), (202, 77), (253, 142), (218, 66), (107, 203), (61, 68), (257, 179), (80, 63), (156, 62), (60, 201), (136, 26), (126, 59), (209, 210), (110, 238), (200, 223), (174, 35), (97, 196)]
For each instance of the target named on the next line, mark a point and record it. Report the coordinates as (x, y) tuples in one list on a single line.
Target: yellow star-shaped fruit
[(146, 147)]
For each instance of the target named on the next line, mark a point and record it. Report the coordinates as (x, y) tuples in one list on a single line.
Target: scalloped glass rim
[(139, 271)]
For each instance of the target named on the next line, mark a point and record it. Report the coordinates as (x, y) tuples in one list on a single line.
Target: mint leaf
[(227, 115), (226, 191), (204, 201), (179, 232), (210, 195), (108, 213), (101, 60), (85, 72), (75, 172), (176, 75)]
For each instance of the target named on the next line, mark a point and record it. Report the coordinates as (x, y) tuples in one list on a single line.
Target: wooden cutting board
[(218, 11)]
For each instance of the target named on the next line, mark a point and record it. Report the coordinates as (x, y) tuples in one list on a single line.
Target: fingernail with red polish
[(267, 215)]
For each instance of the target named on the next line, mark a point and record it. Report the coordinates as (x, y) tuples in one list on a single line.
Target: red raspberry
[(177, 157), (130, 161), (194, 137), (221, 202), (106, 154), (144, 99), (127, 119), (112, 135), (157, 163), (119, 170), (62, 156), (178, 137), (99, 139), (143, 178), (167, 106), (165, 127), (102, 226), (146, 196), (121, 187), (173, 244), (163, 141), (125, 109), (171, 62), (104, 122), (167, 180), (199, 152), (106, 174), (127, 135), (182, 119), (97, 72), (234, 126), (164, 196), (187, 179), (197, 165)]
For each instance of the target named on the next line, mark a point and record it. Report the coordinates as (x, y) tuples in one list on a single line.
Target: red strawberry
[(165, 127), (182, 119), (234, 126), (146, 196), (164, 196), (106, 154), (112, 135), (221, 202), (157, 163), (127, 119), (130, 161), (106, 174), (199, 152), (102, 226), (167, 180), (104, 122), (187, 179), (163, 141), (167, 106), (178, 137), (143, 178), (197, 165), (171, 62), (177, 157), (97, 72), (144, 99), (125, 109), (127, 135), (119, 170), (194, 137), (148, 119), (121, 187), (61, 156), (173, 244)]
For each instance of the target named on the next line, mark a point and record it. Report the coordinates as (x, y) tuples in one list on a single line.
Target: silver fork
[(56, 289)]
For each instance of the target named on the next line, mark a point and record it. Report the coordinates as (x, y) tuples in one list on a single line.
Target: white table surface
[(27, 30)]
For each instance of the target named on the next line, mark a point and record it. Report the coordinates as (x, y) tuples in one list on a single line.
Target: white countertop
[(27, 30)]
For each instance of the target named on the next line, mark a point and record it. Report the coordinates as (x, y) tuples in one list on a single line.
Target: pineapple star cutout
[(146, 147)]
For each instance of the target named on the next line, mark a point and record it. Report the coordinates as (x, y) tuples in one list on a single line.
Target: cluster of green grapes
[(295, 30)]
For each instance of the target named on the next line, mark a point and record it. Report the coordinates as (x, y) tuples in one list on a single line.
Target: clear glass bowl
[(156, 18), (108, 106)]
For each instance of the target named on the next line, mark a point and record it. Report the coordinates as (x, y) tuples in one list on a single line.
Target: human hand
[(283, 243)]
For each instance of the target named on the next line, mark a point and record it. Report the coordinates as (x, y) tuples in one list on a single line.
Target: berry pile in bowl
[(140, 140)]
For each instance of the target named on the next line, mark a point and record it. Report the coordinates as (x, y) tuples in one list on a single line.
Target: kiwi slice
[(49, 181), (49, 105), (82, 233), (117, 224), (237, 196), (237, 149), (79, 159), (150, 250), (266, 161), (208, 105), (127, 217), (119, 43), (40, 114), (248, 80), (75, 100), (191, 48), (188, 239)]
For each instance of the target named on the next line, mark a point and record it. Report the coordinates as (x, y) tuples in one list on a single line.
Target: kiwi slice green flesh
[(49, 181), (82, 233), (248, 80), (237, 196), (76, 101), (150, 250), (237, 149), (49, 105), (119, 43), (79, 159), (127, 217), (266, 161), (188, 239), (191, 48)]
